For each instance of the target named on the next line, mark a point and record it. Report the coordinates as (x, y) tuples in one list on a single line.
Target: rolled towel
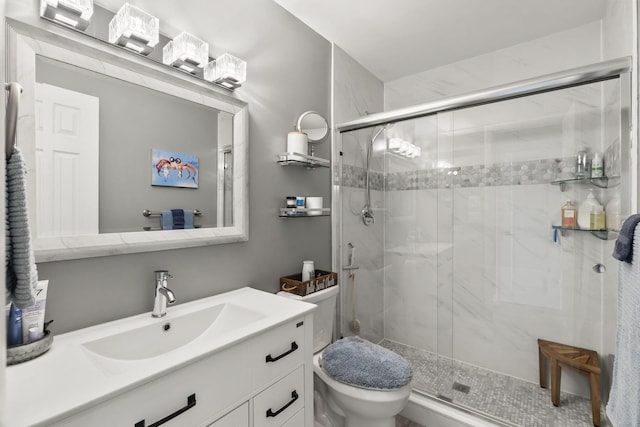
[(21, 270), (623, 250)]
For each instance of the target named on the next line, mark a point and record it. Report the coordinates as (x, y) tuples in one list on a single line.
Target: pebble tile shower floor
[(515, 401)]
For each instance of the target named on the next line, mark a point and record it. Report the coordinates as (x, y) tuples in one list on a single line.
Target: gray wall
[(133, 121), (288, 73)]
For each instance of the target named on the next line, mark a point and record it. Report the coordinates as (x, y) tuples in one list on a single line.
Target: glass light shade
[(75, 13), (135, 29), (186, 52), (227, 70)]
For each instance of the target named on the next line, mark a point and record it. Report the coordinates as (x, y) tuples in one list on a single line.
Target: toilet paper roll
[(297, 142), (314, 203)]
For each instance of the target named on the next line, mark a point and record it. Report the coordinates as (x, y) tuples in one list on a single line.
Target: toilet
[(338, 403)]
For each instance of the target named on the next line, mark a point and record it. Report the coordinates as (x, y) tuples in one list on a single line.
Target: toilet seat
[(361, 363), (367, 394)]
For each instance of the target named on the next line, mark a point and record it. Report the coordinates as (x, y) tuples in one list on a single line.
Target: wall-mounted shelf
[(298, 159), (603, 234), (303, 212), (597, 182)]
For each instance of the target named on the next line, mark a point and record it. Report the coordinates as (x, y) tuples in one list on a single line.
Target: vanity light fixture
[(403, 148), (134, 29), (226, 70), (74, 13), (186, 52)]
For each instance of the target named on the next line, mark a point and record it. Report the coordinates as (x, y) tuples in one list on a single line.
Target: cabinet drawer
[(274, 406), (277, 352), (239, 417), (216, 388), (296, 421)]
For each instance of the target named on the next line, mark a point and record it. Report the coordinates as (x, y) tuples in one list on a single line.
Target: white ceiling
[(395, 38)]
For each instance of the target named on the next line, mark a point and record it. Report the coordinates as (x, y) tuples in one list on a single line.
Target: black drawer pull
[(294, 397), (294, 347), (191, 402)]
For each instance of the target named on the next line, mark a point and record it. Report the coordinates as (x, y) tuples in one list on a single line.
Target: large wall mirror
[(112, 140)]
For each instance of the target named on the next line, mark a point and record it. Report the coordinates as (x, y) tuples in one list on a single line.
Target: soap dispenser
[(584, 211)]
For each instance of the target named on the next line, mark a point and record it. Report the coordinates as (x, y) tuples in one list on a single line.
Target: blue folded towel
[(623, 250), (358, 362), (21, 271), (177, 219)]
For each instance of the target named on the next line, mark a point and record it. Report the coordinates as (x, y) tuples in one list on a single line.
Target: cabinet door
[(278, 403), (239, 417), (277, 352), (216, 383)]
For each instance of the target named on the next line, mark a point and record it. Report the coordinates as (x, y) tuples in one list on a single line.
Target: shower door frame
[(619, 68)]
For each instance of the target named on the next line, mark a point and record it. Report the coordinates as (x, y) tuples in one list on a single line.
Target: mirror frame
[(300, 128), (27, 40)]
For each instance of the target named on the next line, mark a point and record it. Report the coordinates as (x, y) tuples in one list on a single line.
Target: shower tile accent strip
[(510, 173), (513, 400)]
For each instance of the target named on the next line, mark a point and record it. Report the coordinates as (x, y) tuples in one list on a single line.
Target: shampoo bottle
[(597, 166), (569, 214), (584, 211)]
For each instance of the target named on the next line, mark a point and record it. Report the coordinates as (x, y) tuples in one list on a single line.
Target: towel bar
[(149, 213)]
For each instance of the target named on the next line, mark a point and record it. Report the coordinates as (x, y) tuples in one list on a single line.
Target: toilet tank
[(323, 317)]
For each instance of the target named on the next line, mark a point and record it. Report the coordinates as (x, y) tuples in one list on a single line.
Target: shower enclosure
[(464, 265)]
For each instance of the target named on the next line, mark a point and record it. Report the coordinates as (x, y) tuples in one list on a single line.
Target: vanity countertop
[(70, 378)]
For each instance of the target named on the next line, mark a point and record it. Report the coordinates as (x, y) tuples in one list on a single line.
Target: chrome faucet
[(163, 296)]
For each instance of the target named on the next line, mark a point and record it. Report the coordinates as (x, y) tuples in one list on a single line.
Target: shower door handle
[(11, 119)]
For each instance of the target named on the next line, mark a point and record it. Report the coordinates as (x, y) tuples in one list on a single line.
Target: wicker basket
[(21, 353), (295, 285)]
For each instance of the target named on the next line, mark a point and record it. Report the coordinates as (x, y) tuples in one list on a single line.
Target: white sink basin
[(171, 333)]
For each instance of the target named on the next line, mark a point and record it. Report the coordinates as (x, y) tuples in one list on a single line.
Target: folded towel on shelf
[(623, 408), (177, 219), (21, 271), (623, 250)]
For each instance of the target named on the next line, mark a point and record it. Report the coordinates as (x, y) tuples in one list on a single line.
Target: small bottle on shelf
[(597, 166), (569, 214), (598, 218), (582, 164)]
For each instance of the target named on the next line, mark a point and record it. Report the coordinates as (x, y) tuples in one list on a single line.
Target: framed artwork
[(172, 169)]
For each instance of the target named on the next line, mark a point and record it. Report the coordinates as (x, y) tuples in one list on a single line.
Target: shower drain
[(461, 387)]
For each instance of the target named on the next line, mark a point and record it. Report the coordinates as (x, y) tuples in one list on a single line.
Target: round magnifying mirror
[(314, 125)]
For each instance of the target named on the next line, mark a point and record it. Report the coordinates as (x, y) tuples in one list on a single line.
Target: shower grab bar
[(149, 213), (11, 119), (592, 73)]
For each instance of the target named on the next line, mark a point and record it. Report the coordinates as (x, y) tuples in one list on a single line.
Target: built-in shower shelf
[(597, 182), (603, 234), (304, 160), (303, 212)]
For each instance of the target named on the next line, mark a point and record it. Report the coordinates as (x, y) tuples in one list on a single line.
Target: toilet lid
[(358, 362)]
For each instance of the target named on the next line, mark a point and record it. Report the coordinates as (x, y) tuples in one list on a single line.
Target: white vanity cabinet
[(264, 381)]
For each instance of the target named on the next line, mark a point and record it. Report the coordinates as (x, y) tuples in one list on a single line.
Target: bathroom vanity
[(242, 358)]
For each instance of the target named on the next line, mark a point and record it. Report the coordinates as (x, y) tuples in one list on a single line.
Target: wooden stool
[(581, 360)]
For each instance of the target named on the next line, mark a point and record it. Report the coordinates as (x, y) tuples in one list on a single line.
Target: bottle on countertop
[(597, 166), (569, 214), (14, 326), (584, 211)]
